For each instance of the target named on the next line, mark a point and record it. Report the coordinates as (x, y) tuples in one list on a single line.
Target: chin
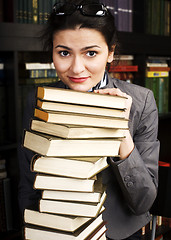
[(80, 88)]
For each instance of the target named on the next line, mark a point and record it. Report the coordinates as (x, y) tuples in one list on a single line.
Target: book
[(75, 108), (63, 183), (31, 232), (73, 196), (159, 68), (98, 233), (6, 216), (75, 131), (157, 74), (57, 147), (72, 208), (124, 68), (69, 167), (39, 65), (55, 221), (82, 98), (81, 119)]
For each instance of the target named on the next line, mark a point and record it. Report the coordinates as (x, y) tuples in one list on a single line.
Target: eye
[(91, 53), (64, 53)]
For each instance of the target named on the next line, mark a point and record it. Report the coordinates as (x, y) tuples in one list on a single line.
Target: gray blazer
[(131, 183)]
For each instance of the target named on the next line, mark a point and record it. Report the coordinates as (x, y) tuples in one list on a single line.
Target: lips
[(78, 80)]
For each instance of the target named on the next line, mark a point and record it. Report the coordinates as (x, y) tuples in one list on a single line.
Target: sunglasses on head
[(61, 9)]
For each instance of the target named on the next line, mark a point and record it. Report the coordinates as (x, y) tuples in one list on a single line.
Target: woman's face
[(80, 57)]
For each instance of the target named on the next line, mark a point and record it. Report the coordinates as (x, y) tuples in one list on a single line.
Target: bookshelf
[(21, 41)]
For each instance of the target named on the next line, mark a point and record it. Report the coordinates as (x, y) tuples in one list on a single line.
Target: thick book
[(75, 131), (82, 98), (72, 208), (54, 221), (69, 167), (81, 119), (93, 197), (64, 183), (76, 108), (57, 147), (34, 233)]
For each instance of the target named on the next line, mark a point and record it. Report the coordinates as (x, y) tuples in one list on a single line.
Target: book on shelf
[(82, 209), (39, 66), (6, 218), (124, 68), (69, 167), (77, 108), (34, 233), (158, 69), (158, 81), (82, 98), (81, 119), (157, 73), (55, 221), (3, 171), (50, 182), (75, 131), (57, 147)]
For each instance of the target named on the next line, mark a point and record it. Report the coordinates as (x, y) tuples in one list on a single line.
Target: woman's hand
[(127, 145)]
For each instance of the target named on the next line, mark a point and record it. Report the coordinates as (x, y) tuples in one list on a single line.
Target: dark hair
[(105, 25)]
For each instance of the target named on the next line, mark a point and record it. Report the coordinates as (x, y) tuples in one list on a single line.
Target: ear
[(111, 54)]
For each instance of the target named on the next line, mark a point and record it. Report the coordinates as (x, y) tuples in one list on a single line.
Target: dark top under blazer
[(131, 183)]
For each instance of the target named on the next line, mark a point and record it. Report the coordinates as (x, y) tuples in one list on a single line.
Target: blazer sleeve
[(26, 194), (138, 174)]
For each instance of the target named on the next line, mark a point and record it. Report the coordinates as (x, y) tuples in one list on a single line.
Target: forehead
[(79, 37)]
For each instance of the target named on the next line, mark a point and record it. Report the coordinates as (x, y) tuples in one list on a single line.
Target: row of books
[(123, 13), (123, 68), (37, 73), (157, 79), (73, 133), (158, 17), (35, 11)]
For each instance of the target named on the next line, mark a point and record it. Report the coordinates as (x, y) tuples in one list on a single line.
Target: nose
[(77, 65)]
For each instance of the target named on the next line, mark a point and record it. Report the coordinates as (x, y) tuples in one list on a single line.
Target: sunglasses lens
[(93, 9), (64, 9)]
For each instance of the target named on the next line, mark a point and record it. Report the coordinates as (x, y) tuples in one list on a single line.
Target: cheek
[(98, 66), (60, 66)]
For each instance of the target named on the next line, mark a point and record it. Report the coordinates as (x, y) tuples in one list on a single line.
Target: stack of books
[(72, 133)]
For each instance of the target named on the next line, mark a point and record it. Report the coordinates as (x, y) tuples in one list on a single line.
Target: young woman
[(82, 37)]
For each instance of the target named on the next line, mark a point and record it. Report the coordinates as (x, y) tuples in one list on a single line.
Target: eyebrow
[(83, 49)]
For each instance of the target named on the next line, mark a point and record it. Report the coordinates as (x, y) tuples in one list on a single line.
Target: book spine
[(30, 12), (35, 11), (124, 68), (157, 74), (41, 11), (25, 11), (3, 226)]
